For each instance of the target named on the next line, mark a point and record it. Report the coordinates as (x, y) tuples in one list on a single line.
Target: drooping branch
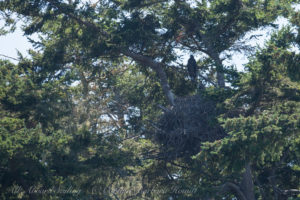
[(157, 67), (235, 189), (246, 189), (9, 57)]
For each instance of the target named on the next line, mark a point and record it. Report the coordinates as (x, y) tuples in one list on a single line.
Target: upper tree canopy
[(149, 32), (113, 69)]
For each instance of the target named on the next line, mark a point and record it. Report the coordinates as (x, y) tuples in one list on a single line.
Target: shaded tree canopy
[(105, 104)]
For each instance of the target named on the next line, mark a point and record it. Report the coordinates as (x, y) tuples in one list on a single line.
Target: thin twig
[(9, 57)]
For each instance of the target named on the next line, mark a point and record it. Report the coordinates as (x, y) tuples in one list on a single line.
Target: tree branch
[(157, 67), (5, 56), (214, 55), (234, 188)]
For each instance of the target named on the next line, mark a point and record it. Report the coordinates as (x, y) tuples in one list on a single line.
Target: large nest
[(190, 122)]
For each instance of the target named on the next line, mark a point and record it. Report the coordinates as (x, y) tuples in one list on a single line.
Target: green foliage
[(80, 113), (28, 115)]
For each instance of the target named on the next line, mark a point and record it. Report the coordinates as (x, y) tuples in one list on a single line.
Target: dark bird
[(192, 68)]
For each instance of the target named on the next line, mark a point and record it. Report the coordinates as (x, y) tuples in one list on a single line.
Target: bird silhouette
[(192, 68)]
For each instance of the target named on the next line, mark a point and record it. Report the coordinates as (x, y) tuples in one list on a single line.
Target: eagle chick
[(192, 68)]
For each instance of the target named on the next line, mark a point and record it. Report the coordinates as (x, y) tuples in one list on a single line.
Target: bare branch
[(163, 108), (5, 56), (157, 67)]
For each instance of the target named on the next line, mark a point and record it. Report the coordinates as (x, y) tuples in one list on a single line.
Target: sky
[(11, 43)]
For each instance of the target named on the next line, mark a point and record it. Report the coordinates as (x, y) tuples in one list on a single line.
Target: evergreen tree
[(105, 102)]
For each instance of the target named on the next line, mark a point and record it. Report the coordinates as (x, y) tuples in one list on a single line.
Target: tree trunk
[(211, 52), (221, 79), (219, 68), (247, 185)]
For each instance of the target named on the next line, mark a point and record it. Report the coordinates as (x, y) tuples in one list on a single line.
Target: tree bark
[(219, 68), (158, 69), (235, 189), (247, 185), (211, 52)]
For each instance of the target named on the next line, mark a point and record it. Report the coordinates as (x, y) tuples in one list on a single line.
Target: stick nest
[(190, 122)]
